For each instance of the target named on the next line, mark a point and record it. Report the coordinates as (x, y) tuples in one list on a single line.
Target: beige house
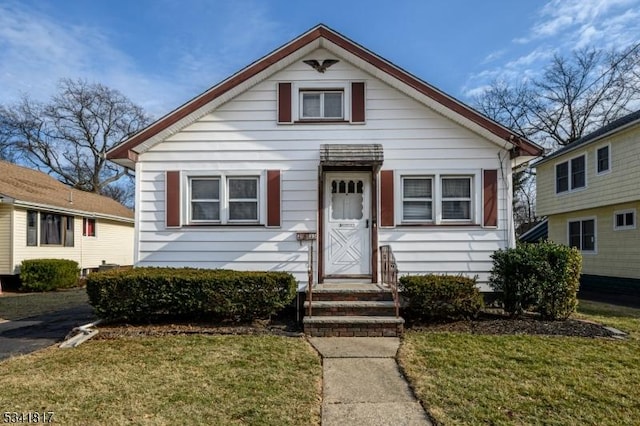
[(590, 192), (43, 218)]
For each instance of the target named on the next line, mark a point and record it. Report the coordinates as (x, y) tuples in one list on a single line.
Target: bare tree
[(68, 136), (573, 96)]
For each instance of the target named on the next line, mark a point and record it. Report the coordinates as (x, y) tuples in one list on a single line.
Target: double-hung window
[(436, 199), (32, 228), (205, 199), (456, 198), (219, 199), (603, 159), (571, 174), (321, 104), (417, 199), (582, 234), (243, 199)]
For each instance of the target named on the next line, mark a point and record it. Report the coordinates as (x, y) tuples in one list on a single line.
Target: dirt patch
[(499, 324)]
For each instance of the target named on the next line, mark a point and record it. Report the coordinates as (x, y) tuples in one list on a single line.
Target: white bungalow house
[(323, 138), (43, 218)]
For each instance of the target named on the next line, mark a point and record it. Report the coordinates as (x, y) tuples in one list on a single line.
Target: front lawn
[(463, 378), (169, 380), (14, 306)]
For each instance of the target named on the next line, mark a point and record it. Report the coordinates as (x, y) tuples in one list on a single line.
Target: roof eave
[(75, 212)]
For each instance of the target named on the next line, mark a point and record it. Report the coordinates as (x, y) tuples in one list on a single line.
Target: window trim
[(570, 188), (431, 199), (223, 197), (624, 212), (436, 206), (608, 170), (595, 233)]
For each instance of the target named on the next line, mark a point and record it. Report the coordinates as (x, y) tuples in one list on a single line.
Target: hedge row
[(542, 278), (441, 297), (146, 293), (48, 274)]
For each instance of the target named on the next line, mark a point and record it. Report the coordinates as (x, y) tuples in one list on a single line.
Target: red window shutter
[(357, 102), (273, 197), (490, 197), (172, 198), (386, 198), (284, 103)]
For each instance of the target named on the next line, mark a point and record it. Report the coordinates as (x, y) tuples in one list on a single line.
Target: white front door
[(347, 223)]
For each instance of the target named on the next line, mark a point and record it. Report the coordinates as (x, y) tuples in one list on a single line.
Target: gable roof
[(127, 152), (612, 128), (31, 188)]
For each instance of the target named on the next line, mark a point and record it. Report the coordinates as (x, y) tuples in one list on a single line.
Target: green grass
[(14, 306), (524, 380), (257, 380)]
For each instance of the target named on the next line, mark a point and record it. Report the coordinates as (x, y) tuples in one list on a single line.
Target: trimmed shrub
[(441, 297), (147, 293), (542, 278), (48, 274)]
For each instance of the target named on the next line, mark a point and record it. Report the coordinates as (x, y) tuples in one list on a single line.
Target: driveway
[(30, 334)]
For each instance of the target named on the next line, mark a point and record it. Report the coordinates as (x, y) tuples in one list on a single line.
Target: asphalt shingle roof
[(31, 186)]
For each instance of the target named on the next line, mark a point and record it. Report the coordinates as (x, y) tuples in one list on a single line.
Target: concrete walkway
[(363, 385)]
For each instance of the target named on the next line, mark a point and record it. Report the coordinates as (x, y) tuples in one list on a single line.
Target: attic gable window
[(321, 105)]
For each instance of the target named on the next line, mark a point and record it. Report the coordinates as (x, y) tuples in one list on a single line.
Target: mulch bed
[(492, 323), (486, 323)]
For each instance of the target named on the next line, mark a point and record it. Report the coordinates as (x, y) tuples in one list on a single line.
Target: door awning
[(351, 155)]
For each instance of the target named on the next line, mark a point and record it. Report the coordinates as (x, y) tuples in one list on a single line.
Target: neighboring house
[(43, 218), (324, 137), (590, 192)]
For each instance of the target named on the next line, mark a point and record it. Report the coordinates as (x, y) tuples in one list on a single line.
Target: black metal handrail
[(390, 274)]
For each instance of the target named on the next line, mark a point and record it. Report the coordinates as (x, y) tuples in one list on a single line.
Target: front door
[(347, 224)]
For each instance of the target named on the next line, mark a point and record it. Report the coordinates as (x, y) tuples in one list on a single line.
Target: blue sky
[(161, 53)]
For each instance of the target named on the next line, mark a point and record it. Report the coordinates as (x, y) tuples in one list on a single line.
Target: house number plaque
[(306, 236)]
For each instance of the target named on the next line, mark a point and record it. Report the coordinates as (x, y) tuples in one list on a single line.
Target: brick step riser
[(351, 297), (352, 311), (355, 330)]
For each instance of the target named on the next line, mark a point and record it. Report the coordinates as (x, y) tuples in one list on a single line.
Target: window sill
[(223, 225), (321, 121), (437, 225)]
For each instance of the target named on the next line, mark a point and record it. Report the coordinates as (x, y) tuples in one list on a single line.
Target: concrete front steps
[(351, 309)]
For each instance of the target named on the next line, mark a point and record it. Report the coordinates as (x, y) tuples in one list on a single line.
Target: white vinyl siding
[(113, 244), (6, 212), (242, 136)]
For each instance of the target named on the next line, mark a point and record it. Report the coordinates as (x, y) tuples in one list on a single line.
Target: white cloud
[(562, 26), (36, 51)]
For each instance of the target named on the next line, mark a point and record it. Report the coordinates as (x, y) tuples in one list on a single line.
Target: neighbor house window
[(571, 174), (205, 199), (56, 229), (625, 219), (582, 234), (32, 228), (88, 227), (456, 198), (321, 104), (603, 159), (417, 199), (224, 200)]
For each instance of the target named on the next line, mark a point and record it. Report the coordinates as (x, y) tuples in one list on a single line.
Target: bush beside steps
[(149, 294)]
